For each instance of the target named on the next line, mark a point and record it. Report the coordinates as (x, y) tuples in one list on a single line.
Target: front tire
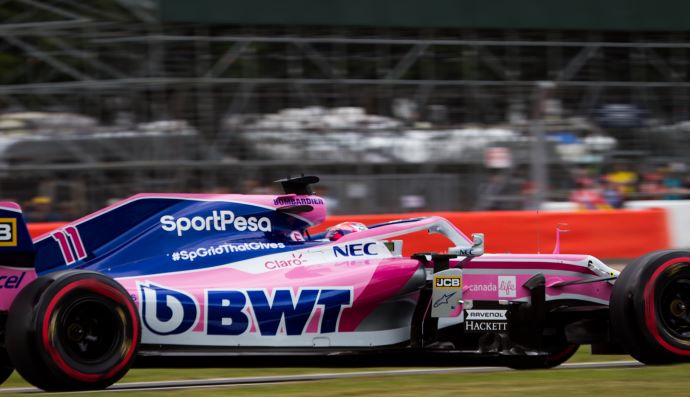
[(650, 307), (72, 331)]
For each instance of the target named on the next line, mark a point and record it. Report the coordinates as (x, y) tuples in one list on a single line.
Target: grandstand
[(208, 69)]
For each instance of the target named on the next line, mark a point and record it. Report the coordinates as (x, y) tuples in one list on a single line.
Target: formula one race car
[(192, 279)]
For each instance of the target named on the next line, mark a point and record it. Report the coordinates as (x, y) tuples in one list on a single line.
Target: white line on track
[(263, 380)]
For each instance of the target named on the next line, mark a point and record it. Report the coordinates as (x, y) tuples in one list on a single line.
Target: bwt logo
[(218, 220), (362, 249), (231, 312), (447, 282), (167, 312)]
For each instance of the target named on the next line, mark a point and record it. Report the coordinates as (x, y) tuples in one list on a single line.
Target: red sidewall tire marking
[(99, 288), (650, 309), (558, 356)]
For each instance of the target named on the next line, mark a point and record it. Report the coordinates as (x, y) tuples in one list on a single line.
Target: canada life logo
[(507, 287)]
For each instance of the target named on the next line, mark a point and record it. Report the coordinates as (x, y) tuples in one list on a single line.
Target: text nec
[(362, 249), (447, 282), (231, 312)]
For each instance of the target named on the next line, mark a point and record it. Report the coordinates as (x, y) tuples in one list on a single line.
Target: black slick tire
[(650, 307), (73, 330)]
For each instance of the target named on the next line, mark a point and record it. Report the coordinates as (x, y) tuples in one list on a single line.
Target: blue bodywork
[(131, 239)]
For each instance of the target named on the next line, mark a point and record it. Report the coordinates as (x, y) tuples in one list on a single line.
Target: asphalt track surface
[(264, 380)]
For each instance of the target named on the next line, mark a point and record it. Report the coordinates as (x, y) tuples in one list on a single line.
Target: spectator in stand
[(68, 210), (589, 195), (612, 194), (673, 184), (686, 184), (651, 187), (40, 209), (624, 179)]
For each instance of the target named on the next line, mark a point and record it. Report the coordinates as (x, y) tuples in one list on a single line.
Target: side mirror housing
[(477, 244), (477, 248)]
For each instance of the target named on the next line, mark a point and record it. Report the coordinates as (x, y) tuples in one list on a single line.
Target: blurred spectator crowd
[(581, 157), (626, 182)]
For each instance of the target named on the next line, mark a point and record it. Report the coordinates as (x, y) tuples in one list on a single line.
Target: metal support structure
[(83, 57), (539, 169)]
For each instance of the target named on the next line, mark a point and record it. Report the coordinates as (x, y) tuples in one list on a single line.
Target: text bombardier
[(218, 221)]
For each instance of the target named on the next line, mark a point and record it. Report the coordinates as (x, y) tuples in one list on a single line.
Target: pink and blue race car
[(194, 279)]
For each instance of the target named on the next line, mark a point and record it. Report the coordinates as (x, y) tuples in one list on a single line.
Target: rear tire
[(73, 330), (650, 307), (6, 367)]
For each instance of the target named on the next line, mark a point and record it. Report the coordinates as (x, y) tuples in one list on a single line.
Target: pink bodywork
[(485, 271), (17, 278), (375, 281), (12, 279), (372, 281), (492, 277)]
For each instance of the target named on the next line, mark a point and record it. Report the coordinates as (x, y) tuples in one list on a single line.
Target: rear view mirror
[(477, 248), (477, 244)]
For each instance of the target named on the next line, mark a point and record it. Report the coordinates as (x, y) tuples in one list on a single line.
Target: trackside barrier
[(38, 229), (677, 216), (678, 213), (616, 234)]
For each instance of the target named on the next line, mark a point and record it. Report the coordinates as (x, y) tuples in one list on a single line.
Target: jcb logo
[(448, 282)]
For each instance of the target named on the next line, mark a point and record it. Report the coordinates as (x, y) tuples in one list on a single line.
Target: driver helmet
[(335, 232)]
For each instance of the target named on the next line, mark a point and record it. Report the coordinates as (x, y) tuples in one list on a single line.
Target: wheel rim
[(89, 331), (675, 305)]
